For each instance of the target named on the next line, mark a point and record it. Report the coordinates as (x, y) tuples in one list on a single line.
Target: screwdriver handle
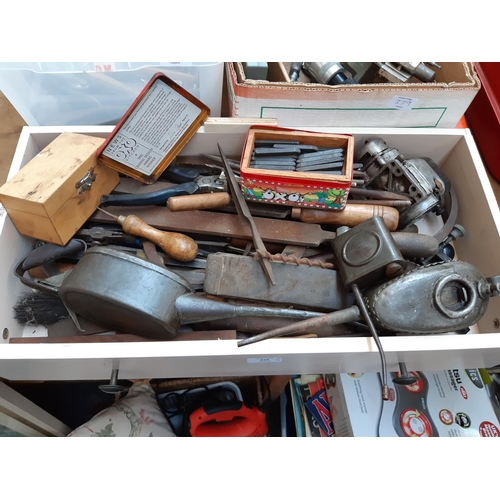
[(177, 245), (203, 201), (351, 215)]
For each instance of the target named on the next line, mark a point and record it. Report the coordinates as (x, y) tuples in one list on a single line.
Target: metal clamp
[(85, 183)]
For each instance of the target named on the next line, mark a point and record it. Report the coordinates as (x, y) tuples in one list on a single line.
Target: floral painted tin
[(299, 189)]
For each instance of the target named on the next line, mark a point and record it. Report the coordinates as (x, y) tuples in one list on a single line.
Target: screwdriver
[(177, 245)]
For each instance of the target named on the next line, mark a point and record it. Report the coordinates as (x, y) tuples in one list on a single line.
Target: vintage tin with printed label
[(153, 131)]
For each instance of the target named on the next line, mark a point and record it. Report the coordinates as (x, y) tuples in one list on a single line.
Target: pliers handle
[(192, 182)]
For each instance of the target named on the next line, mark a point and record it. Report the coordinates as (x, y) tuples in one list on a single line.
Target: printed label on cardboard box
[(448, 403), (400, 102)]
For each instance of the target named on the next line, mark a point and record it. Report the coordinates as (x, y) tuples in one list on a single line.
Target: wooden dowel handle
[(177, 245), (198, 202), (351, 216)]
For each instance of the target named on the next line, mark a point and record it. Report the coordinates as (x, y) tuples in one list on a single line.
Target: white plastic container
[(86, 93)]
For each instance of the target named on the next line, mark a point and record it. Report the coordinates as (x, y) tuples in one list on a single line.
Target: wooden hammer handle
[(177, 245), (198, 202), (352, 215)]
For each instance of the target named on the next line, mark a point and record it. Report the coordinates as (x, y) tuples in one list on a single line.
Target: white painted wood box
[(452, 149)]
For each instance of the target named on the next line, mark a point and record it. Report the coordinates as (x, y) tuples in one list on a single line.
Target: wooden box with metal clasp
[(56, 191)]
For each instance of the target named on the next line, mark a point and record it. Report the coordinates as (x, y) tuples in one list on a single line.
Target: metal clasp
[(85, 183)]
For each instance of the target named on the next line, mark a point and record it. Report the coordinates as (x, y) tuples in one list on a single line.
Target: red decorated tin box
[(297, 188)]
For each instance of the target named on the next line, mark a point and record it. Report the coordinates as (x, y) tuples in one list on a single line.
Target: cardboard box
[(447, 403), (434, 105), (58, 189), (299, 189)]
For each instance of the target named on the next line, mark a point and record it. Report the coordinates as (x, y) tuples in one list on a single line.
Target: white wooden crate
[(452, 149)]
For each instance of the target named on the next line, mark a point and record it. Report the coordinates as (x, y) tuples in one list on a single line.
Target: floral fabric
[(135, 415)]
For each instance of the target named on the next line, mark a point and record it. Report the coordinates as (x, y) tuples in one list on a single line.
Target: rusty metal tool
[(258, 209), (378, 194), (177, 245), (223, 224), (244, 213), (107, 236), (234, 164), (284, 232), (383, 203)]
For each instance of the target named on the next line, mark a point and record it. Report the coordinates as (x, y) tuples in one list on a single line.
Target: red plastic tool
[(227, 419)]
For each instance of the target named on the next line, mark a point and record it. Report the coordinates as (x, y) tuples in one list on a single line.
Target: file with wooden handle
[(352, 215), (177, 245), (287, 232)]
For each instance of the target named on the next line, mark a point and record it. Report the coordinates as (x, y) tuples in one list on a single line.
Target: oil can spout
[(490, 287)]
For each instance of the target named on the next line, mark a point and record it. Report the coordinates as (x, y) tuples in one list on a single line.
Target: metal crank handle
[(154, 198)]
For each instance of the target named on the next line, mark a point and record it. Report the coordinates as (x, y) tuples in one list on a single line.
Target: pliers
[(97, 235), (190, 181)]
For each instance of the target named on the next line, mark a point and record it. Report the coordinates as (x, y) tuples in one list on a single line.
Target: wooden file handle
[(198, 202), (177, 245), (352, 215)]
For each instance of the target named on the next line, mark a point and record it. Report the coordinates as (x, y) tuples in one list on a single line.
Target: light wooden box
[(453, 150), (59, 188)]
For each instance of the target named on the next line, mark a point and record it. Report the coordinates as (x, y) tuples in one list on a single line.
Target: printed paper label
[(400, 102), (153, 129)]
